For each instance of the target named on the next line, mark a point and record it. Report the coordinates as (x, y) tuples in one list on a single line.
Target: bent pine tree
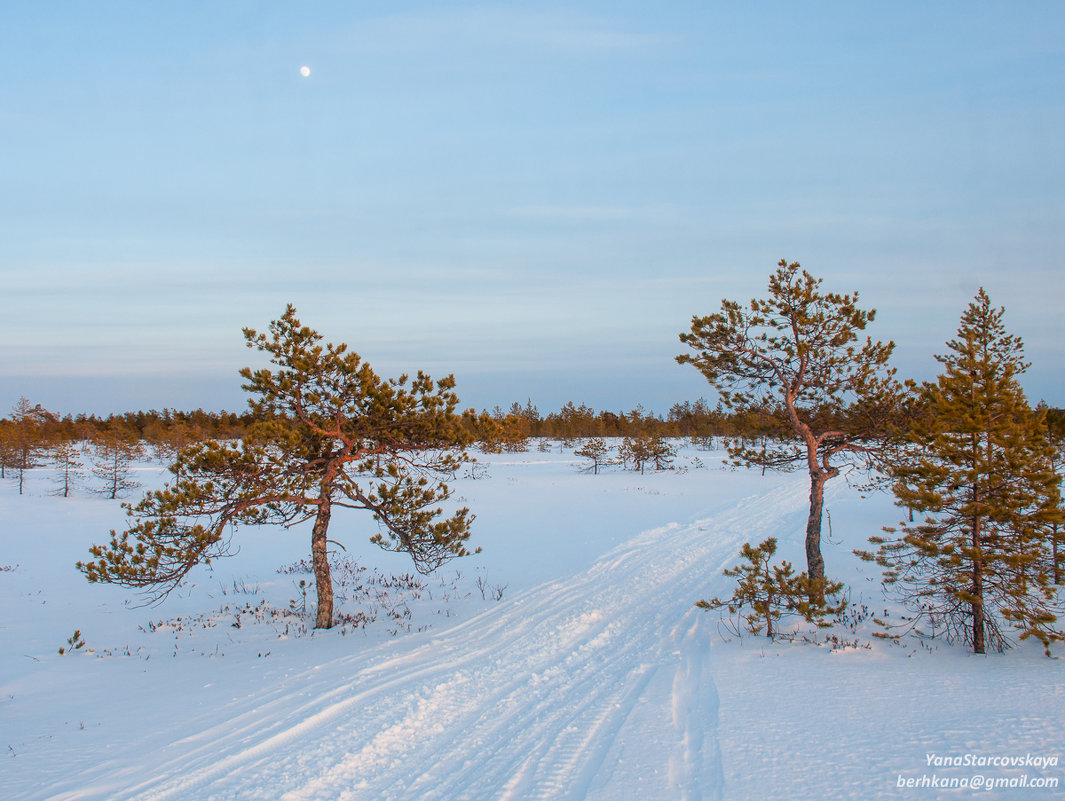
[(329, 433)]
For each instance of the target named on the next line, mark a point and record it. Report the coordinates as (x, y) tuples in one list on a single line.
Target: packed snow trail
[(595, 678), (597, 687)]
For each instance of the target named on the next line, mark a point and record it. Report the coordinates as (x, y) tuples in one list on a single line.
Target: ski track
[(548, 696)]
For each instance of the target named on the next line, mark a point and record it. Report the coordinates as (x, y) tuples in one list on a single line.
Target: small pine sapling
[(114, 451), (69, 468), (765, 592), (74, 643), (645, 449), (595, 449), (662, 453), (300, 606)]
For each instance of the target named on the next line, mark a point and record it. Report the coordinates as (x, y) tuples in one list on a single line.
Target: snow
[(592, 677)]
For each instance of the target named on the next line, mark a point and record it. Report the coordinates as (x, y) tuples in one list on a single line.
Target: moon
[(305, 71)]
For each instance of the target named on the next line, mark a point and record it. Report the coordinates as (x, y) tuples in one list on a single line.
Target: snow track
[(572, 690), (595, 678)]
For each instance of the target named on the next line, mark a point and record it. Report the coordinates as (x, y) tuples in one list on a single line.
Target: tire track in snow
[(569, 691)]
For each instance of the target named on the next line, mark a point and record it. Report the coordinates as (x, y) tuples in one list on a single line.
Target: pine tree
[(1055, 424), (328, 433), (644, 449), (795, 357), (595, 448), (765, 592), (114, 451), (979, 468), (7, 449), (662, 452), (24, 439), (634, 451), (66, 456)]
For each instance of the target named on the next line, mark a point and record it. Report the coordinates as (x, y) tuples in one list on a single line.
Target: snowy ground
[(591, 676)]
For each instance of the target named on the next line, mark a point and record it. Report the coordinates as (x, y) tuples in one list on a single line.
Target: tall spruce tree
[(979, 467), (795, 357), (329, 433)]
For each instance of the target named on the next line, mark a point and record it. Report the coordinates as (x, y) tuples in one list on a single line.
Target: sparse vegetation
[(74, 643)]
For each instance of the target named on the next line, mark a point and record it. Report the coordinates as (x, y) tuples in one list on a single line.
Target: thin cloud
[(590, 213), (501, 27)]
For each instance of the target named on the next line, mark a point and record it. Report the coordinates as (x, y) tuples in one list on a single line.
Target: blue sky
[(536, 197)]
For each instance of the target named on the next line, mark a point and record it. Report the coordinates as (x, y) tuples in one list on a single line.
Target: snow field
[(594, 677)]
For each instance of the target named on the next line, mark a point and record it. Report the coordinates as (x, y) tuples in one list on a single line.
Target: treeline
[(697, 421), (153, 427), (77, 447), (106, 447), (510, 428)]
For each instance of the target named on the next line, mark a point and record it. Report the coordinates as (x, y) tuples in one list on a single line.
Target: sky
[(536, 197)]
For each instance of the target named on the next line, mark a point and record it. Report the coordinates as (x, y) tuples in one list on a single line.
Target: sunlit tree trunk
[(320, 557)]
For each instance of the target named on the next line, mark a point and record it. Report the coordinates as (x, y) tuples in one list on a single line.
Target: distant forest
[(495, 429)]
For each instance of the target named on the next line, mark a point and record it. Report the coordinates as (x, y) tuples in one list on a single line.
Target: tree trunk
[(1057, 562), (320, 557), (978, 592), (977, 540), (815, 563)]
